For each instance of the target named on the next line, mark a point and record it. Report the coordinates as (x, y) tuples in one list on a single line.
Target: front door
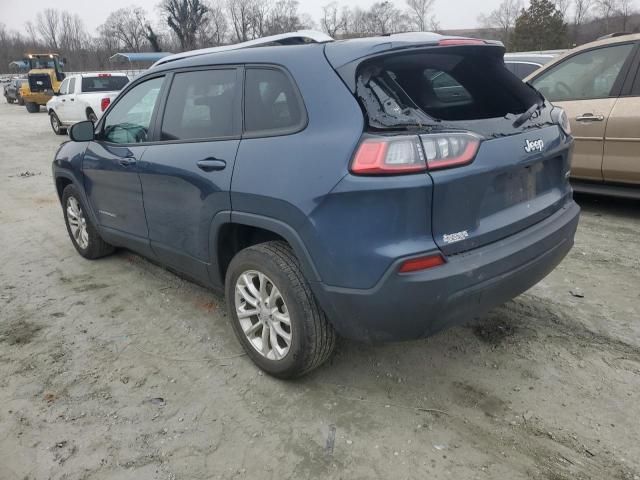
[(586, 86), (111, 164), (186, 174)]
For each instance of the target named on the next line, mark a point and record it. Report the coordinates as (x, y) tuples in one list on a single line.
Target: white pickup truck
[(83, 97)]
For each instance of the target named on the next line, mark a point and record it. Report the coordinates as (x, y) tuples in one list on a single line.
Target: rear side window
[(72, 86), (521, 69), (202, 104), (415, 88), (105, 83), (272, 103)]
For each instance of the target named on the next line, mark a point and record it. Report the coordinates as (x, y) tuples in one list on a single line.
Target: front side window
[(272, 103), (201, 104), (64, 86), (130, 118), (584, 76)]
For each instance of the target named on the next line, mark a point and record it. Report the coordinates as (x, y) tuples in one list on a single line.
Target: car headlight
[(562, 119)]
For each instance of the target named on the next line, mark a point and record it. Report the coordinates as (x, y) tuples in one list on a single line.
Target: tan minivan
[(598, 85)]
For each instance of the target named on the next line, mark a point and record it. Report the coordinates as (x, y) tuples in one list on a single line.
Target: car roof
[(587, 46), (338, 52)]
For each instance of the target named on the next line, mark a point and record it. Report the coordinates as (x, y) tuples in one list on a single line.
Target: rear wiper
[(531, 111)]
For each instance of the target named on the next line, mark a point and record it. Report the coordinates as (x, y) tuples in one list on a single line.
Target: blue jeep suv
[(380, 189)]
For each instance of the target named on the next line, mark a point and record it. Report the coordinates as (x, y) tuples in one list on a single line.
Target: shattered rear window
[(421, 89)]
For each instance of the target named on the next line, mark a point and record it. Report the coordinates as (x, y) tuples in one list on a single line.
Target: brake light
[(104, 103), (104, 75), (446, 150), (451, 42), (389, 155), (421, 263)]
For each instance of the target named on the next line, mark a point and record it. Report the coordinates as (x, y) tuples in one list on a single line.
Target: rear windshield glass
[(418, 88), (103, 84)]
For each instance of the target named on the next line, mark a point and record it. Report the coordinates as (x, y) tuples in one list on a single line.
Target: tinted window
[(201, 104), (128, 121), (103, 83), (526, 69), (72, 85), (272, 103), (586, 75)]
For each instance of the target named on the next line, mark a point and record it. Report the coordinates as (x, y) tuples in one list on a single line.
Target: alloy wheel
[(263, 314), (77, 223)]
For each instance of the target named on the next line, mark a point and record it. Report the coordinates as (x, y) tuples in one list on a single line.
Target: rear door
[(186, 173), (586, 86)]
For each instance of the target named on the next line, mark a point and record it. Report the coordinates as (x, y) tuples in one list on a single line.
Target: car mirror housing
[(82, 132)]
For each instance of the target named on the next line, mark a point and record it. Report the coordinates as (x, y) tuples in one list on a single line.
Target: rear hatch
[(492, 146)]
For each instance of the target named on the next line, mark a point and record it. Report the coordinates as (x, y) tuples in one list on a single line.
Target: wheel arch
[(233, 231)]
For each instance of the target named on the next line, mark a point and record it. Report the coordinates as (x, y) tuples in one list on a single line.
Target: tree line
[(556, 24), (178, 25)]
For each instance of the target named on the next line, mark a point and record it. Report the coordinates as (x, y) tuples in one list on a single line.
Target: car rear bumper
[(410, 306)]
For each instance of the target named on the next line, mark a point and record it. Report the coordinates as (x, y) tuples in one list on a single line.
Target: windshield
[(42, 63), (103, 83), (429, 87)]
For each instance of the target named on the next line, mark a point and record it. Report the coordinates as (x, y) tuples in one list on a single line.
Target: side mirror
[(82, 132)]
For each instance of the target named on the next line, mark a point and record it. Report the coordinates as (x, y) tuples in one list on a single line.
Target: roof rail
[(291, 38), (614, 35)]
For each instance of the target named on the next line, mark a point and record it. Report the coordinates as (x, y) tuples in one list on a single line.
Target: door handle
[(590, 117), (211, 164), (126, 162), (72, 99), (63, 100)]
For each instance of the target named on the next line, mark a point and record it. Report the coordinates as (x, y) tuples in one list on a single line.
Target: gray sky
[(450, 13)]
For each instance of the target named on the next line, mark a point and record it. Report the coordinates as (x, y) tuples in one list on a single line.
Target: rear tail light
[(421, 263), (101, 75), (104, 103), (446, 150), (411, 154), (389, 155), (561, 118)]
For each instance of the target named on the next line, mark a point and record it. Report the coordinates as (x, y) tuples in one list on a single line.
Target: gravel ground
[(118, 369)]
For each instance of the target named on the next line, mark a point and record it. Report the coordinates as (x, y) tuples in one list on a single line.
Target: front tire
[(82, 232), (274, 313), (32, 107), (56, 126)]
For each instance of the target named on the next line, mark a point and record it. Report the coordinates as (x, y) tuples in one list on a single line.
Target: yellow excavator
[(44, 79)]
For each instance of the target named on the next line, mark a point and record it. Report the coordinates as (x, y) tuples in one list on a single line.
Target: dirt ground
[(118, 369)]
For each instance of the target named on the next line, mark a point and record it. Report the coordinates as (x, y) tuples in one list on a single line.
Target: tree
[(73, 36), (626, 8), (540, 27), (333, 21), (215, 29), (420, 14), (48, 25), (186, 18), (606, 10), (503, 18), (129, 27), (563, 7), (581, 13)]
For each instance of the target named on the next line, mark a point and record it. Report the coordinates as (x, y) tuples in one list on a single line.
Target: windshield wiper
[(531, 111)]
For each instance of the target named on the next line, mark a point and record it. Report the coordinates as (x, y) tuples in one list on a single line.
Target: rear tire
[(305, 340), (92, 117), (56, 126), (9, 100), (32, 107), (82, 231)]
